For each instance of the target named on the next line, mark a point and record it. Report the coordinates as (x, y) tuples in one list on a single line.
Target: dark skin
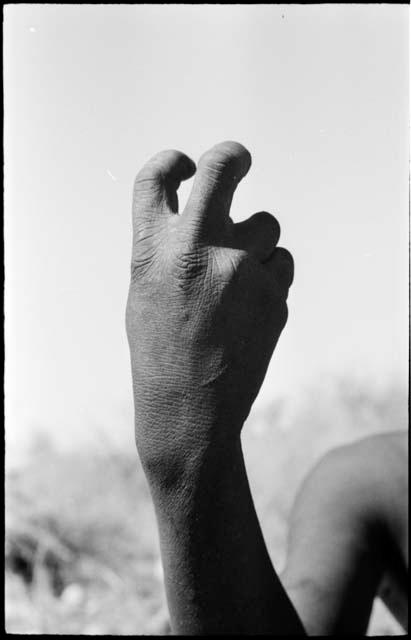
[(348, 537), (206, 307)]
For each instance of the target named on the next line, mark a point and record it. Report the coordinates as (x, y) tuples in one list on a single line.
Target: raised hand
[(206, 306)]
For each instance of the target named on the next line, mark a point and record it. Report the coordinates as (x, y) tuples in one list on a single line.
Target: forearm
[(206, 307), (219, 577)]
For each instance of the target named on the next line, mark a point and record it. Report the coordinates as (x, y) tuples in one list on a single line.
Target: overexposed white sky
[(319, 95)]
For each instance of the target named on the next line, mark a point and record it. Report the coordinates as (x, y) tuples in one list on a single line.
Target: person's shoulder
[(379, 461), (390, 443), (354, 496), (368, 475), (377, 456)]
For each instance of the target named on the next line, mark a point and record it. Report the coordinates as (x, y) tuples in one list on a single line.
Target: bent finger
[(155, 187), (219, 172), (258, 235)]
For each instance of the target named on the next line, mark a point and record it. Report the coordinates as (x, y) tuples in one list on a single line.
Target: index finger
[(155, 187)]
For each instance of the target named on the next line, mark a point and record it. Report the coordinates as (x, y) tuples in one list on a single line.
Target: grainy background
[(319, 94)]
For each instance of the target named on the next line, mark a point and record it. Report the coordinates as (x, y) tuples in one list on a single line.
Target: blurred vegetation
[(82, 552)]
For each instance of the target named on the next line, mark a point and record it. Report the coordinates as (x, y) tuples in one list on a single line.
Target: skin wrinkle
[(202, 324)]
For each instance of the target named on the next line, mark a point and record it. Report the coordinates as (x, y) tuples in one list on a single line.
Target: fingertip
[(191, 167), (181, 165), (236, 149), (172, 162), (258, 235), (164, 171), (228, 157), (269, 223)]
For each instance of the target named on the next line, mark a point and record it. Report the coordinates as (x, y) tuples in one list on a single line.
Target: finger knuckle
[(283, 255), (269, 222), (141, 264), (188, 265)]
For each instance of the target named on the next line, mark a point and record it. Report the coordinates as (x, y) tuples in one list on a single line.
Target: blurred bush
[(81, 547), (82, 552)]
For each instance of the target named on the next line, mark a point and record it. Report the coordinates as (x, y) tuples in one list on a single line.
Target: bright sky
[(319, 95)]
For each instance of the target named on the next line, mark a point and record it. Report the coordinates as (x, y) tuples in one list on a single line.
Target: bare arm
[(207, 304), (219, 577), (346, 535)]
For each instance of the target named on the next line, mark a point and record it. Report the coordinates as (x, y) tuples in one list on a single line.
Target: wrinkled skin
[(206, 306)]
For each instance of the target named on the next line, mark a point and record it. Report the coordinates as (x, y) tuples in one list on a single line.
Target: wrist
[(185, 449)]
